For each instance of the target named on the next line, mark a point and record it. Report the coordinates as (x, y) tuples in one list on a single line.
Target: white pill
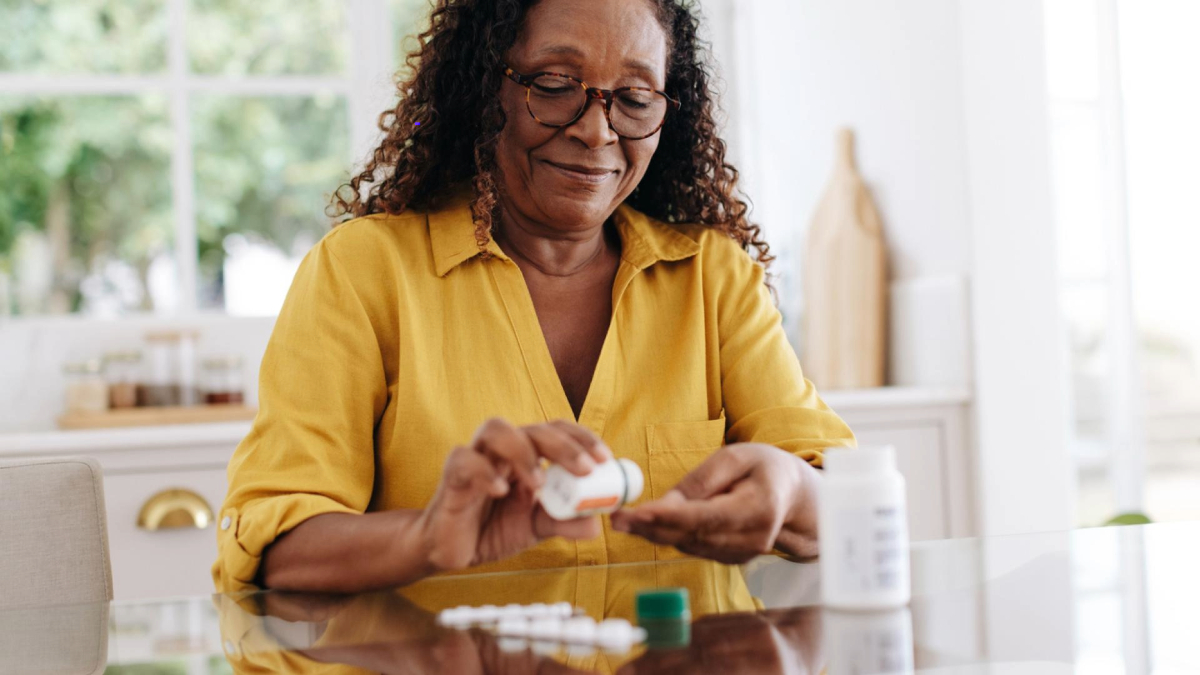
[(562, 609), (485, 614), (580, 629), (513, 625), (546, 628), (511, 645), (617, 634), (454, 617), (512, 610), (536, 609), (544, 647)]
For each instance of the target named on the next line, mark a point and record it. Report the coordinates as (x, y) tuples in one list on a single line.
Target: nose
[(592, 128)]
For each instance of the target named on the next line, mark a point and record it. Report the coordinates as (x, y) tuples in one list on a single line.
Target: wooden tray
[(145, 417)]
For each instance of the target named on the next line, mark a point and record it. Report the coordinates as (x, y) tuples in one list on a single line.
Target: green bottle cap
[(663, 603)]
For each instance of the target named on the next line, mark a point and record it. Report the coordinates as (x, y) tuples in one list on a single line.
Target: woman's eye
[(553, 90)]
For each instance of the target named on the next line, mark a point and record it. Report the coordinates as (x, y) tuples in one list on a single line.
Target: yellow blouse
[(397, 340)]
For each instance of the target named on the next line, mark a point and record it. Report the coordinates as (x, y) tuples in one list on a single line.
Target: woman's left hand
[(745, 500)]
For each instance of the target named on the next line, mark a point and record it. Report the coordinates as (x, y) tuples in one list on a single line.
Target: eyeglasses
[(558, 100)]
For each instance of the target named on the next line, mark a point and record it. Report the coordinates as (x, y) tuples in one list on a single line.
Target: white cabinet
[(165, 562), (928, 428), (139, 464)]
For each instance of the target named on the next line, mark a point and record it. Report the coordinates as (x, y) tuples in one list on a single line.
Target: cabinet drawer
[(165, 562), (919, 458)]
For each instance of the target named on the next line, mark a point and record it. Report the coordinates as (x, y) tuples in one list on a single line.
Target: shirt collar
[(644, 240)]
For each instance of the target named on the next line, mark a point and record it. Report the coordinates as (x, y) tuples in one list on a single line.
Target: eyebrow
[(567, 50)]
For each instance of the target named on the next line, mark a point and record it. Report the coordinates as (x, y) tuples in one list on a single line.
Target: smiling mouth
[(583, 174)]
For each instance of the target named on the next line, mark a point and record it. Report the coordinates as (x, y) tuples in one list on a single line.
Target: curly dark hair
[(450, 87)]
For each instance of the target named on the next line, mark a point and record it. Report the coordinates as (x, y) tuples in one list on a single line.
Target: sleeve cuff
[(243, 534)]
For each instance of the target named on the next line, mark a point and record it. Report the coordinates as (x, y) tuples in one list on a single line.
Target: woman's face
[(607, 44)]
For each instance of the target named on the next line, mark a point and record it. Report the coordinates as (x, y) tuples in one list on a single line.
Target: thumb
[(715, 475)]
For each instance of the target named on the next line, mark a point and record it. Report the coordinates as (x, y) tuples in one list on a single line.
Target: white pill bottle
[(863, 530), (611, 485)]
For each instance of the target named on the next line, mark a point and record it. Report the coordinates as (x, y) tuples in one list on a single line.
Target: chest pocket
[(675, 448)]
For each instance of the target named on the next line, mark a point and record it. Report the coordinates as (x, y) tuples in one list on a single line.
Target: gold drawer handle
[(173, 509)]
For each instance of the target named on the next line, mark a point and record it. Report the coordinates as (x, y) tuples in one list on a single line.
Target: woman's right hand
[(484, 509)]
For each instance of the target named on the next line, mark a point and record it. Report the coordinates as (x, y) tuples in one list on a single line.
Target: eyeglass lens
[(559, 100)]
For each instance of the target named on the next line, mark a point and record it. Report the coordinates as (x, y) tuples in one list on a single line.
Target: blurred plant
[(84, 177), (85, 199), (83, 36), (1129, 519), (264, 168)]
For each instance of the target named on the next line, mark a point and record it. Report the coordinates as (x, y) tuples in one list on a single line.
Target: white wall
[(33, 351), (1024, 468), (890, 71), (948, 101)]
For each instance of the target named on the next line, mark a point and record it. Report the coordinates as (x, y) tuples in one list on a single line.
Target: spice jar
[(86, 390), (122, 370), (221, 380), (171, 369)]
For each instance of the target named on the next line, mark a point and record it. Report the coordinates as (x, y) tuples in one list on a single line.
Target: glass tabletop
[(1101, 600)]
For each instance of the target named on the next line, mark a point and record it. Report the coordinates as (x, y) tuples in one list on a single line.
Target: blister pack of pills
[(546, 626)]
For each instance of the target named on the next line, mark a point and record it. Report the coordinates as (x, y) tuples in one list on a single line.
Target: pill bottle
[(867, 641), (609, 486), (863, 529)]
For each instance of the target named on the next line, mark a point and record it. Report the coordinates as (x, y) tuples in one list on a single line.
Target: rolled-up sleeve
[(767, 399), (322, 387)]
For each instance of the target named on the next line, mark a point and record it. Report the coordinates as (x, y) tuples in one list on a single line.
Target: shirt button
[(225, 523)]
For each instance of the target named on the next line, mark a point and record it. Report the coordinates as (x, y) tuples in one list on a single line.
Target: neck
[(552, 252)]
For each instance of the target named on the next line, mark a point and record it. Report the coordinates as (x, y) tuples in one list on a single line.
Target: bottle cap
[(848, 461), (663, 603), (634, 481)]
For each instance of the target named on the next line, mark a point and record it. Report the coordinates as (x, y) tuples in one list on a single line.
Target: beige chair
[(55, 576)]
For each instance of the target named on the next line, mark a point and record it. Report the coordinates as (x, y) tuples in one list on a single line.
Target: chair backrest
[(53, 533)]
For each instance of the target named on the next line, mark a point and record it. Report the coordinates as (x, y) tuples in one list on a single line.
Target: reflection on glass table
[(1116, 599)]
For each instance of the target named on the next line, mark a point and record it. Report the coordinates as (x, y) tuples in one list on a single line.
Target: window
[(1123, 105), (173, 156)]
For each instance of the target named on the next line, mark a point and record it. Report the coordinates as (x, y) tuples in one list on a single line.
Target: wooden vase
[(845, 282)]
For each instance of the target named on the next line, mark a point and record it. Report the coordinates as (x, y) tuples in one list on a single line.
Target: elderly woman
[(547, 261)]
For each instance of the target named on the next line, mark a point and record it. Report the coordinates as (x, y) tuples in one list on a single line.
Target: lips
[(581, 172)]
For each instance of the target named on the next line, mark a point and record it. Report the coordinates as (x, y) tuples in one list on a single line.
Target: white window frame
[(1124, 448), (365, 84)]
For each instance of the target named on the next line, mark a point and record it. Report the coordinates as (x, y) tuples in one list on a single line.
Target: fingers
[(595, 447), (729, 527), (561, 447), (716, 474), (469, 477), (575, 448), (507, 445)]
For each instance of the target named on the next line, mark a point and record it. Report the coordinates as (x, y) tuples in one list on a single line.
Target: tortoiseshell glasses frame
[(591, 93)]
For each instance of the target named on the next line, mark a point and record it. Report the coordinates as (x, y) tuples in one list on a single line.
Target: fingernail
[(539, 476), (585, 462)]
